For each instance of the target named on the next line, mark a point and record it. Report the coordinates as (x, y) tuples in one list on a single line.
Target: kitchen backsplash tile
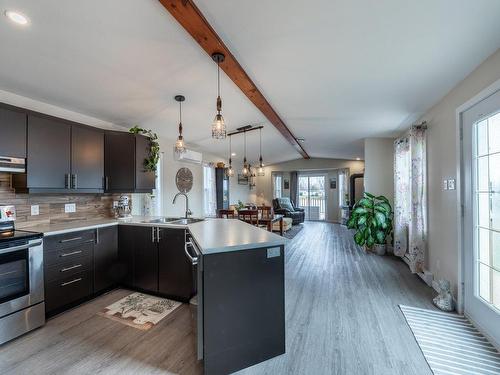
[(88, 206)]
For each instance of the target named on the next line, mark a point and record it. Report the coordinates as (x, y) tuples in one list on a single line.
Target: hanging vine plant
[(151, 161)]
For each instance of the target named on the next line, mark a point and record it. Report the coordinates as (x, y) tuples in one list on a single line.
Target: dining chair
[(249, 216), (226, 214)]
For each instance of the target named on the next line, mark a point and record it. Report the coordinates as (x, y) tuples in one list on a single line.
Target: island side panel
[(243, 307)]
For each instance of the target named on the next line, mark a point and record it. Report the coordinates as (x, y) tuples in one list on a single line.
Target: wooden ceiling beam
[(190, 17)]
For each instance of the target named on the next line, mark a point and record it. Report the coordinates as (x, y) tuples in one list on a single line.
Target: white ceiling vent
[(189, 156)]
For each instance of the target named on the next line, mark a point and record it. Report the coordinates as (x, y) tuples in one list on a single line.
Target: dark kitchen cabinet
[(145, 259), (124, 155), (119, 161), (126, 244), (62, 156), (175, 271), (49, 154), (87, 158), (106, 271), (13, 132)]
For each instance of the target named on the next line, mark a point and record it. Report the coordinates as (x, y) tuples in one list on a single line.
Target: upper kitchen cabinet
[(62, 156), (13, 130), (87, 158), (49, 154), (124, 163)]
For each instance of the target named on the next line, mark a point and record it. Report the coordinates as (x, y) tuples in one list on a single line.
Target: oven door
[(21, 275)]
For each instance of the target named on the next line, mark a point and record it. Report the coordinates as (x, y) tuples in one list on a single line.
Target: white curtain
[(410, 198), (209, 194)]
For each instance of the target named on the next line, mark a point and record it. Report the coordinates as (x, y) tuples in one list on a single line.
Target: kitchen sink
[(173, 220), (186, 221)]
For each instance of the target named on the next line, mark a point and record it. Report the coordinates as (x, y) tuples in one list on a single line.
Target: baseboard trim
[(483, 331)]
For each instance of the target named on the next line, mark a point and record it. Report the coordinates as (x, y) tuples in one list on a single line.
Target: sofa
[(285, 207)]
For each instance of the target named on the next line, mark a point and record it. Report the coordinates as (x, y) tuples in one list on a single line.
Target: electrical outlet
[(451, 184), (69, 207), (115, 204), (35, 210), (445, 184)]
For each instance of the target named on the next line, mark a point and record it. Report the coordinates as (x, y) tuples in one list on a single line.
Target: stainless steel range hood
[(12, 165)]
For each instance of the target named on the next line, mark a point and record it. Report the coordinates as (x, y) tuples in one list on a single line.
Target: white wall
[(442, 256), (379, 167)]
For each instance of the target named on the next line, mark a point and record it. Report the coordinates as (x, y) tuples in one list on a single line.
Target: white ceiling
[(336, 72)]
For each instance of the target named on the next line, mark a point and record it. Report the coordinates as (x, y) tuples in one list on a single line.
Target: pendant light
[(180, 146), (230, 170), (218, 126), (246, 168), (260, 170)]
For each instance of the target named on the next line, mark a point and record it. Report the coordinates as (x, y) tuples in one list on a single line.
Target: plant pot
[(379, 249)]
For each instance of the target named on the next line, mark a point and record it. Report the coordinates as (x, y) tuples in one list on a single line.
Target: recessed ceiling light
[(17, 17), (301, 140), (233, 154), (358, 158)]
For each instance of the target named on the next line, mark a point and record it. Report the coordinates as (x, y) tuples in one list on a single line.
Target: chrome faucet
[(188, 211)]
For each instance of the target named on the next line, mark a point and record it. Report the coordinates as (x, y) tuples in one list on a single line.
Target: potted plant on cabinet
[(371, 218)]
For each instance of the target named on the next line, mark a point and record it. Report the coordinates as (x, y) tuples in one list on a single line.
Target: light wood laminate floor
[(341, 310)]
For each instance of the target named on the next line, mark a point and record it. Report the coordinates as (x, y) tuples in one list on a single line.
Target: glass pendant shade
[(219, 127), (246, 170), (180, 146), (230, 171), (260, 171)]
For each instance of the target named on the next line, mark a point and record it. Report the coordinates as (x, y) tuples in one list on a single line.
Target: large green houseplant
[(371, 218)]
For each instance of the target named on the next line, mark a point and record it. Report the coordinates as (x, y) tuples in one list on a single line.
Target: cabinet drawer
[(68, 268), (68, 254), (67, 290), (62, 241)]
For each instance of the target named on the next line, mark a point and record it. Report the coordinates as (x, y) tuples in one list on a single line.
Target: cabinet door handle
[(106, 183), (70, 268), (193, 260), (66, 181), (153, 234), (69, 254), (74, 181), (158, 238), (71, 282), (70, 239)]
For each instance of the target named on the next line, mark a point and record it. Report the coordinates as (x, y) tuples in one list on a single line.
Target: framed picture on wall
[(333, 183), (242, 180), (286, 184)]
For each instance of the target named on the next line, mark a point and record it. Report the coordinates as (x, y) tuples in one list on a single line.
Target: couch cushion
[(285, 204)]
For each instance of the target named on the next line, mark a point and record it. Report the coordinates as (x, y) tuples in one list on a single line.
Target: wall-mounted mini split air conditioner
[(189, 156)]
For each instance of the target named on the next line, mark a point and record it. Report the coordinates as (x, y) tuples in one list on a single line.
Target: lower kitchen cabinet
[(175, 271), (145, 259), (106, 271)]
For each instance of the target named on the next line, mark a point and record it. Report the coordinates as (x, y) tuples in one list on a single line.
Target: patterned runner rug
[(140, 310), (450, 343)]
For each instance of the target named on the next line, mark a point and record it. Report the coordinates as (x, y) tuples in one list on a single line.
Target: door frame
[(485, 93)]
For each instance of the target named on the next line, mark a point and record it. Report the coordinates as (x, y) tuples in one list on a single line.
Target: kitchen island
[(239, 270)]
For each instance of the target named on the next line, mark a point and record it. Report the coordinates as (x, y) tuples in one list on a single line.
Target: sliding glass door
[(312, 196)]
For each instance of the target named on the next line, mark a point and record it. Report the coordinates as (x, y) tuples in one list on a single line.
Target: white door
[(481, 166)]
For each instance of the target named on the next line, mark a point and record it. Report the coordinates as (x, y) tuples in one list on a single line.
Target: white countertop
[(211, 235), (223, 235)]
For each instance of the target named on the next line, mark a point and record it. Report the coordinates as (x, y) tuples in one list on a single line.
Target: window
[(209, 197), (277, 185)]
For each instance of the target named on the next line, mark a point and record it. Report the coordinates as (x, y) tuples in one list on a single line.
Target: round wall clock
[(184, 180)]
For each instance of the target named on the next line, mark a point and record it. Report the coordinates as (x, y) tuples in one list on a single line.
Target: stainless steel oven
[(22, 305)]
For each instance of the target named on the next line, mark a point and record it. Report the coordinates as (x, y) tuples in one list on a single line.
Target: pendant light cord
[(260, 156), (180, 118), (230, 151), (245, 147)]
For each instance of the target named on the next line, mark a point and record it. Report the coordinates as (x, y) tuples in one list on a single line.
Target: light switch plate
[(451, 184), (273, 252), (445, 184), (35, 210), (69, 207)]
